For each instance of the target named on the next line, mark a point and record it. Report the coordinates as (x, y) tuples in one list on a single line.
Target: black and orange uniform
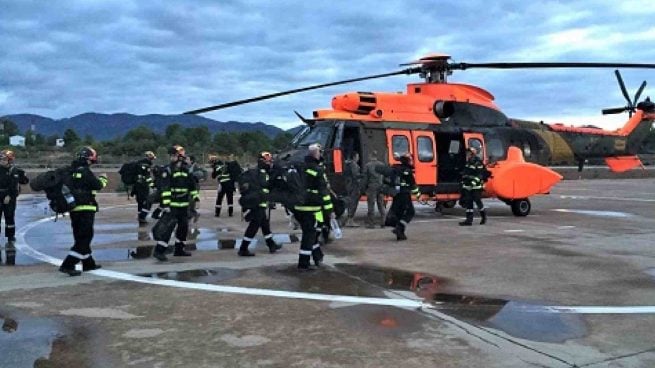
[(142, 188), (226, 180), (10, 179), (255, 190), (402, 205), (178, 190), (83, 185), (472, 184), (310, 213)]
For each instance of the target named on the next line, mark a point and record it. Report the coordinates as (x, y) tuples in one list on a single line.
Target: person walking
[(143, 186), (352, 177), (473, 178), (402, 208), (227, 174), (11, 177), (83, 186)]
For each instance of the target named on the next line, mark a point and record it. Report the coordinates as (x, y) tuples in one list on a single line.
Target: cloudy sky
[(63, 58)]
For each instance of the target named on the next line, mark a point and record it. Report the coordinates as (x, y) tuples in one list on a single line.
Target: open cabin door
[(476, 140), (421, 145)]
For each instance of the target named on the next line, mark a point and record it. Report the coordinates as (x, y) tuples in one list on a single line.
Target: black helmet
[(88, 153)]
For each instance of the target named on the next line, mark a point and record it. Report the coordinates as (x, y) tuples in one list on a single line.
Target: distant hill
[(109, 126)]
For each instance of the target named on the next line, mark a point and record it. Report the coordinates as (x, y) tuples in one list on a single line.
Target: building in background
[(17, 140)]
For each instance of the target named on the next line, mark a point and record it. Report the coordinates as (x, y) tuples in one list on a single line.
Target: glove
[(7, 200), (159, 212)]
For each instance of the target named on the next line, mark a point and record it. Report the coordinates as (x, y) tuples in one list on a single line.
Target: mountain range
[(110, 126)]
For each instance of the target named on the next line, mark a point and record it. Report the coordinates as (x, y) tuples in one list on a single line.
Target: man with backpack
[(255, 188), (227, 174), (143, 185), (10, 179), (83, 185), (310, 212), (178, 189)]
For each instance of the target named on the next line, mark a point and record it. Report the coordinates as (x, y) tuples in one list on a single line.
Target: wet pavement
[(484, 295)]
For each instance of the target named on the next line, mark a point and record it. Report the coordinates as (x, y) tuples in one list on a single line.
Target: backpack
[(129, 172), (288, 186), (56, 185), (250, 189)]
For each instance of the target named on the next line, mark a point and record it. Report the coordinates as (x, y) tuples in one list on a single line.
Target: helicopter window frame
[(422, 149), (476, 143), (325, 131), (395, 139)]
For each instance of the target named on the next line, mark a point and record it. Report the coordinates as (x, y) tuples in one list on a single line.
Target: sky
[(64, 58)]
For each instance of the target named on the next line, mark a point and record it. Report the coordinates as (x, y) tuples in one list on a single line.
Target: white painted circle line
[(22, 245)]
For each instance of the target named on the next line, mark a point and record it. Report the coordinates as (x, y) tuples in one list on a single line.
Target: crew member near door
[(402, 206), (255, 188), (178, 189), (473, 176), (227, 174), (10, 179), (310, 212), (144, 185), (84, 185)]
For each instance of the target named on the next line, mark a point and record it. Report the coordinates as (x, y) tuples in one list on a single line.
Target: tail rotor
[(632, 103)]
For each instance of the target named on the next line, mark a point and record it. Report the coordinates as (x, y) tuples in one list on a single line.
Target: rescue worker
[(255, 189), (373, 187), (178, 189), (10, 179), (473, 178), (198, 174), (327, 207), (83, 186), (310, 213), (353, 175), (227, 173), (405, 185), (144, 186)]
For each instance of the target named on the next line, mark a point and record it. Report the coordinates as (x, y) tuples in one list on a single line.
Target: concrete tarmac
[(570, 285)]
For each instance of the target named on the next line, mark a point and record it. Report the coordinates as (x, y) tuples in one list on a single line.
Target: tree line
[(197, 141)]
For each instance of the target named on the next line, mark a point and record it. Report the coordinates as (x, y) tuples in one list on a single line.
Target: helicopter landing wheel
[(521, 207), (448, 204)]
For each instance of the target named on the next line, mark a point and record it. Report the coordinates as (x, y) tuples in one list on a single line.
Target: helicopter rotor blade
[(528, 65), (291, 91), (638, 94), (623, 89), (614, 110)]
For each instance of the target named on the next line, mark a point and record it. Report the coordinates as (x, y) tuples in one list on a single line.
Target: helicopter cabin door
[(425, 159), (476, 140)]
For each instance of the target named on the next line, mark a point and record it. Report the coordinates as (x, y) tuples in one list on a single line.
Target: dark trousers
[(257, 219), (142, 201), (227, 190), (353, 198), (471, 196), (82, 224), (403, 208), (373, 197), (9, 211), (309, 245), (181, 226)]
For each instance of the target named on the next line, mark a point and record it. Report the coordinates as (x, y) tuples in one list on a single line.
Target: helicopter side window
[(424, 147), (477, 144), (399, 145)]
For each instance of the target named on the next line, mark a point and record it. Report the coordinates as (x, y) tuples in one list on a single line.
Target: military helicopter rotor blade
[(623, 89), (297, 90), (528, 65), (615, 110), (638, 94)]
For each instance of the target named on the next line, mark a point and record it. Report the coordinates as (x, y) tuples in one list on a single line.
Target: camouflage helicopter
[(436, 121)]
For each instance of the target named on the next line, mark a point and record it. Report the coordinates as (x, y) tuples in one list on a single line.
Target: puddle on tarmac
[(595, 213), (41, 342), (203, 276)]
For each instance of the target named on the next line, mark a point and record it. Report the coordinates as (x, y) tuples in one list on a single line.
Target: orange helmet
[(266, 157), (88, 153)]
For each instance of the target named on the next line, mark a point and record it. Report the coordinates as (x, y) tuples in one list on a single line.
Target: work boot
[(483, 214), (179, 250), (217, 212), (317, 255), (469, 219), (272, 245), (243, 249), (303, 263), (400, 232), (69, 271), (230, 211), (89, 264), (160, 253), (351, 223)]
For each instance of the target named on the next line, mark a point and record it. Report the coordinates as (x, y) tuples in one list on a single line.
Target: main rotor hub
[(434, 67)]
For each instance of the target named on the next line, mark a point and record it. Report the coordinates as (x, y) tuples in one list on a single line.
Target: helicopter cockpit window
[(299, 135), (425, 152), (316, 134), (526, 149), (399, 145)]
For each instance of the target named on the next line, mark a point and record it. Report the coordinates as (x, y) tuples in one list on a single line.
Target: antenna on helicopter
[(632, 104)]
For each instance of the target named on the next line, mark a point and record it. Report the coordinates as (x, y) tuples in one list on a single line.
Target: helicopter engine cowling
[(514, 178), (355, 102)]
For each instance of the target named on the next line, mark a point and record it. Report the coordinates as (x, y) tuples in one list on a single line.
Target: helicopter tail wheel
[(521, 207)]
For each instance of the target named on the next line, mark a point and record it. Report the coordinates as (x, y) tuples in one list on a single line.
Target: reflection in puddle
[(204, 276)]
